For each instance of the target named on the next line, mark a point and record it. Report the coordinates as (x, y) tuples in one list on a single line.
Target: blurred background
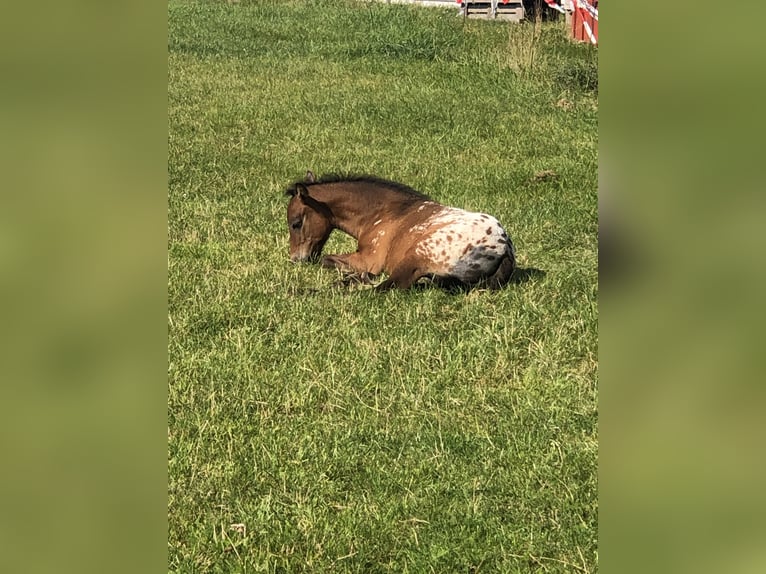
[(680, 210), (83, 280)]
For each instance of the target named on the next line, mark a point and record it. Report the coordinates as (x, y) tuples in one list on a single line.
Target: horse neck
[(350, 208)]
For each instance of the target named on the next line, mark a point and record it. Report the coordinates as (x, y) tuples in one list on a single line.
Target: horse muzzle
[(304, 257)]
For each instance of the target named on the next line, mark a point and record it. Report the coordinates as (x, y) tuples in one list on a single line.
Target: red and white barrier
[(552, 4), (584, 17), (585, 14), (589, 8)]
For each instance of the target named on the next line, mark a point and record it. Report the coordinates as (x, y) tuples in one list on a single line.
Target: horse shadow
[(523, 274), (353, 283), (520, 275)]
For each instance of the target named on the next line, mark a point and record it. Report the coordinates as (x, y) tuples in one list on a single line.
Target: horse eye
[(297, 224)]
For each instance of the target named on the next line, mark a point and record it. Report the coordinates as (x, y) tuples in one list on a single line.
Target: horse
[(399, 231)]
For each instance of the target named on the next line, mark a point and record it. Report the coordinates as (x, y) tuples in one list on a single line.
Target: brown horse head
[(310, 223)]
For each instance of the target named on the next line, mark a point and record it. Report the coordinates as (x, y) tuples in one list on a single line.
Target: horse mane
[(406, 191)]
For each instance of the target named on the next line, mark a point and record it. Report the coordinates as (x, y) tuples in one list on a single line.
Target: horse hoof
[(354, 279)]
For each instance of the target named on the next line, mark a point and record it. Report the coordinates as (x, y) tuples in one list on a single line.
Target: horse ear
[(302, 190), (310, 176)]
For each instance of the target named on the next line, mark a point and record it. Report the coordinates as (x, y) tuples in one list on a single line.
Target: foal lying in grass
[(399, 231)]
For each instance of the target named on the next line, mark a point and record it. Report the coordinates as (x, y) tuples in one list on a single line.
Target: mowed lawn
[(313, 428)]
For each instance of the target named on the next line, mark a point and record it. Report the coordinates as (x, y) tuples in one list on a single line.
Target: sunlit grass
[(317, 429)]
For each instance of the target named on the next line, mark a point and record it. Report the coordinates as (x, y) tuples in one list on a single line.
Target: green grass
[(316, 429)]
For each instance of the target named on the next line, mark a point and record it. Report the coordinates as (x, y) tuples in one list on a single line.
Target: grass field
[(319, 429)]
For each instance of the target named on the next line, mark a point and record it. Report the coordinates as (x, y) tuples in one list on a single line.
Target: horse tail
[(502, 275)]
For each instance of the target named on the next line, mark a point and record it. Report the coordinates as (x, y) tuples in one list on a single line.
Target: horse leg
[(402, 277), (338, 261), (353, 267), (355, 279), (503, 273), (351, 262)]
